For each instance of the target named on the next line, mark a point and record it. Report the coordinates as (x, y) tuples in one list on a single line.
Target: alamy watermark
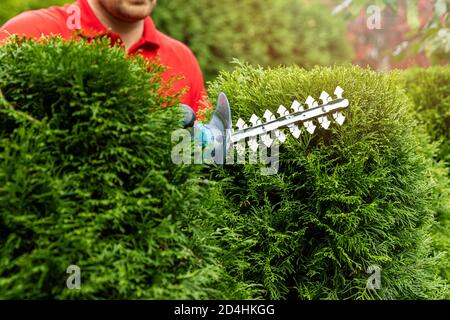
[(73, 21), (74, 280), (373, 17), (374, 281), (191, 151)]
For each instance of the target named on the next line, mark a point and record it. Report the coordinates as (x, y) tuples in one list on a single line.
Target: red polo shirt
[(63, 21)]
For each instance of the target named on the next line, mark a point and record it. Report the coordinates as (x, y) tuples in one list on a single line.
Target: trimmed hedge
[(268, 33), (429, 90), (344, 199), (86, 179)]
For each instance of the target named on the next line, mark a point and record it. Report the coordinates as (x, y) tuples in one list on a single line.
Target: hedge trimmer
[(265, 132)]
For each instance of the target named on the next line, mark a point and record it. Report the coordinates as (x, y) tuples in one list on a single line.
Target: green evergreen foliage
[(429, 90), (441, 241), (86, 176), (344, 199), (261, 32), (86, 179)]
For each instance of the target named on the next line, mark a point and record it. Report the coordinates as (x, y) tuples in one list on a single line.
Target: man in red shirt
[(125, 20)]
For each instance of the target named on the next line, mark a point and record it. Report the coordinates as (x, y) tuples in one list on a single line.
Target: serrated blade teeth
[(255, 120), (310, 102), (253, 143), (282, 111), (325, 97), (300, 114), (265, 138), (339, 118), (240, 124), (269, 116), (240, 147), (310, 127), (280, 136), (296, 106), (324, 122), (295, 131), (338, 92)]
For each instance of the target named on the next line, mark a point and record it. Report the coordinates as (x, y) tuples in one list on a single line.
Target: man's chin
[(135, 12)]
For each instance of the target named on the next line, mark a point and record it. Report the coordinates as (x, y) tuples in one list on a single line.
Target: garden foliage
[(343, 200), (86, 179), (11, 8), (262, 32), (429, 90), (268, 33)]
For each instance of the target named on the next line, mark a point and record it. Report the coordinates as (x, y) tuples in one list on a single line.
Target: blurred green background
[(301, 32), (262, 32)]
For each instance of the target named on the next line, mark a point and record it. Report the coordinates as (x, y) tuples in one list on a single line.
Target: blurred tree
[(417, 29), (262, 32)]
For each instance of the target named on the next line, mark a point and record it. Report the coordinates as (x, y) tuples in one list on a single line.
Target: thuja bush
[(86, 179), (429, 90), (344, 201)]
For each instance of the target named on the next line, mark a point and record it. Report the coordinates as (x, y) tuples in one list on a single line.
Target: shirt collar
[(92, 27)]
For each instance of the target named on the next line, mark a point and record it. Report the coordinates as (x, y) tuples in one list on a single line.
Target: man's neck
[(129, 32)]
